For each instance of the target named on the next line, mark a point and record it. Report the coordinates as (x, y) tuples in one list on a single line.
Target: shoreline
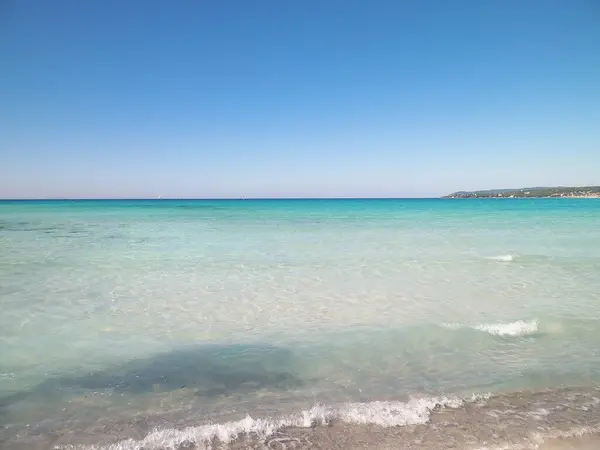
[(363, 437), (550, 419)]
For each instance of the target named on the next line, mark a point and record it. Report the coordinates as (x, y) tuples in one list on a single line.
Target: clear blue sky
[(268, 98)]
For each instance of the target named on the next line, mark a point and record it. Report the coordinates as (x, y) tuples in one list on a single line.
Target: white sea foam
[(386, 414), (517, 328), (503, 258)]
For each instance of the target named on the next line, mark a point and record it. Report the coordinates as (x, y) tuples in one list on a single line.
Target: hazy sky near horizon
[(272, 98)]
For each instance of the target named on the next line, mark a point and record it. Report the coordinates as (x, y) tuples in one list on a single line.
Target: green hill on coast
[(535, 192)]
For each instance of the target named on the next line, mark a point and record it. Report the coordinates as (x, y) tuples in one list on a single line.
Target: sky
[(296, 98)]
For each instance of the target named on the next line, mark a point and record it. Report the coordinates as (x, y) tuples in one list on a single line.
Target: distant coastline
[(534, 192)]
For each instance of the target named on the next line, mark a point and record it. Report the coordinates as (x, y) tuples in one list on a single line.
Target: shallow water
[(119, 317)]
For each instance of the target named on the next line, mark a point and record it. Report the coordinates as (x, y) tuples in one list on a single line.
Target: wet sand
[(591, 442), (338, 436), (372, 439), (457, 436)]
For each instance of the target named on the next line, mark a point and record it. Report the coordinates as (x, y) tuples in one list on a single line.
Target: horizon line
[(58, 199)]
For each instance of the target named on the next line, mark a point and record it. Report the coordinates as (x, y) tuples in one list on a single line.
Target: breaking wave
[(517, 328), (385, 414), (503, 258)]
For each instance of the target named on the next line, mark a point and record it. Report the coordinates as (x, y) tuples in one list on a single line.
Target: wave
[(502, 258), (416, 411), (517, 328), (518, 420)]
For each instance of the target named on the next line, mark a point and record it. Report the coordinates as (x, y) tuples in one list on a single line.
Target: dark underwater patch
[(212, 370)]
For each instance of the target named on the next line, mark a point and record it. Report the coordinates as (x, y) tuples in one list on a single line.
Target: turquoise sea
[(414, 324)]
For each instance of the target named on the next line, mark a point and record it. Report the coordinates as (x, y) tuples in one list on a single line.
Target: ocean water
[(300, 324)]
